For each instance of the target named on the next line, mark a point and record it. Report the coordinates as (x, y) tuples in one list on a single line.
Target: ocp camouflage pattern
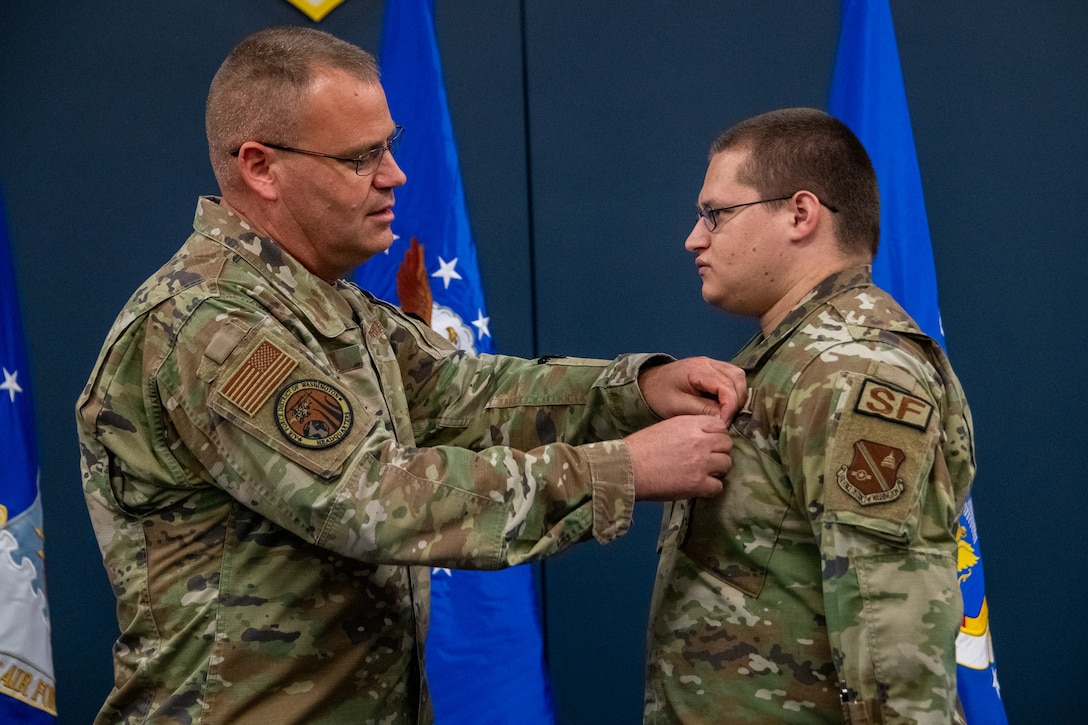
[(271, 464), (821, 584)]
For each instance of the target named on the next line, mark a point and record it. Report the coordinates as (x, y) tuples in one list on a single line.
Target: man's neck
[(802, 285)]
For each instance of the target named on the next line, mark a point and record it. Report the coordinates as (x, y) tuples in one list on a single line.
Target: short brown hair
[(804, 148), (257, 92)]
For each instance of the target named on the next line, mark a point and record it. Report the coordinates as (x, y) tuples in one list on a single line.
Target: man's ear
[(806, 213), (256, 170)]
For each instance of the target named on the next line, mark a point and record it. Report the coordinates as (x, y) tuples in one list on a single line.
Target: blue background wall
[(583, 129)]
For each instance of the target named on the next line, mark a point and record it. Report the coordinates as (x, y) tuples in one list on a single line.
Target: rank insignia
[(313, 414), (871, 476)]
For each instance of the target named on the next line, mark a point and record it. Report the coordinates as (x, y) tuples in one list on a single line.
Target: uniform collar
[(760, 347), (315, 298)]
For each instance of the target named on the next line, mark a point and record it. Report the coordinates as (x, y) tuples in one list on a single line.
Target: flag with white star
[(430, 208), (867, 94), (27, 695), (485, 643)]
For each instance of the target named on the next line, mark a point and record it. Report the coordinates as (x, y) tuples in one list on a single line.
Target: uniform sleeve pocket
[(272, 396), (911, 599)]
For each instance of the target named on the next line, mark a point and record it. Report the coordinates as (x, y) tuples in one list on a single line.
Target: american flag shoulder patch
[(258, 375)]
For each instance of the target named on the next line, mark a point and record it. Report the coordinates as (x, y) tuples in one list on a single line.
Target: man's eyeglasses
[(710, 216), (365, 165)]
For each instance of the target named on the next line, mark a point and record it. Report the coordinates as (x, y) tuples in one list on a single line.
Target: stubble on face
[(343, 219)]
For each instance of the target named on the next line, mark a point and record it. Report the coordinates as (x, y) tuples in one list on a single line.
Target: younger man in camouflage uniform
[(272, 458), (820, 585)]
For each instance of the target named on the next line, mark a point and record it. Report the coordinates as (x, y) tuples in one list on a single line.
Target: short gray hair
[(257, 92)]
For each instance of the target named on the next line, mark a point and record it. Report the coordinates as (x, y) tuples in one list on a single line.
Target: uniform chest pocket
[(355, 370), (734, 534)]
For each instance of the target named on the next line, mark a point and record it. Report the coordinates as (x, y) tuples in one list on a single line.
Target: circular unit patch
[(313, 414)]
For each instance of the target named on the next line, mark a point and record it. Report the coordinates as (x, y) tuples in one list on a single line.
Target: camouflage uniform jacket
[(252, 443), (826, 570)]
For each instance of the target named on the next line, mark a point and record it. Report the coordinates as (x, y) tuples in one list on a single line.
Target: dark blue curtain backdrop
[(582, 130)]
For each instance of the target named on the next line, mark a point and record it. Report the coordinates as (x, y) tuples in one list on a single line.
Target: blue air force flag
[(485, 642), (867, 94), (26, 658)]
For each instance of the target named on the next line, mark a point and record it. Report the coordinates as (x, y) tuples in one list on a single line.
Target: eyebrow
[(361, 151)]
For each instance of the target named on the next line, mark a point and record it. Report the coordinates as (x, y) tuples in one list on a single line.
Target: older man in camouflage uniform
[(820, 585), (272, 458)]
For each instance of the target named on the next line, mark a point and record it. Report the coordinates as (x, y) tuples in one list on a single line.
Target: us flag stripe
[(262, 371)]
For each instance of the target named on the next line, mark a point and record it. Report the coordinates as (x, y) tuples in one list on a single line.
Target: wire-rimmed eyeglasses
[(365, 164), (710, 216)]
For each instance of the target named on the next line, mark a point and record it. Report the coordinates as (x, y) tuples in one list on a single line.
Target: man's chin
[(385, 240), (716, 299), (380, 240)]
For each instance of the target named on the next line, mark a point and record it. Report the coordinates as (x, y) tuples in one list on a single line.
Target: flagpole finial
[(315, 9)]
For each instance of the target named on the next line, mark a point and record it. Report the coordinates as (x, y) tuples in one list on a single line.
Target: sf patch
[(872, 476), (895, 406), (313, 414)]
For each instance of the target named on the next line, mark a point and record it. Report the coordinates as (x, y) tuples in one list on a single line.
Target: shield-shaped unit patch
[(871, 477)]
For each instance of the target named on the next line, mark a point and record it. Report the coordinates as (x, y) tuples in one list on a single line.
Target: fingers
[(711, 487), (682, 457), (718, 460), (719, 463), (739, 396), (695, 386), (728, 384)]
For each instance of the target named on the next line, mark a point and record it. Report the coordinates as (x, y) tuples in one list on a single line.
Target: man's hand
[(694, 386), (681, 457)]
